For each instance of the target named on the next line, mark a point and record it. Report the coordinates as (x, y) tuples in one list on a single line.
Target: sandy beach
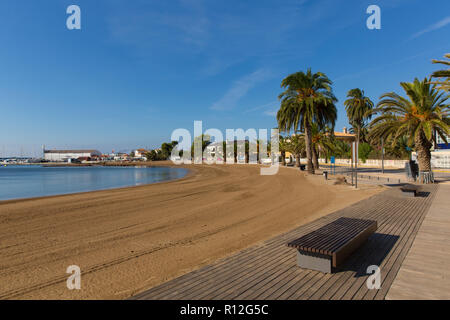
[(131, 239)]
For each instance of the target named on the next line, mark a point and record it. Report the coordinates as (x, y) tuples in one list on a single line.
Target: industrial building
[(65, 155)]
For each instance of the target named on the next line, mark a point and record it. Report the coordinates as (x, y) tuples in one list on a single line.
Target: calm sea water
[(36, 181)]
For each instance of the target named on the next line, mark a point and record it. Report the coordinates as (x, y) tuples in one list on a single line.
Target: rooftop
[(72, 151)]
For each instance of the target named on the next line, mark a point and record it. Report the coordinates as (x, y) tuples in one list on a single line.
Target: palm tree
[(321, 142), (342, 149), (358, 108), (401, 149), (283, 147), (296, 146), (204, 140), (420, 116), (443, 83), (363, 131), (307, 98)]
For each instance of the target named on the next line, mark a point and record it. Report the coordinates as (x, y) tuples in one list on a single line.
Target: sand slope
[(128, 240)]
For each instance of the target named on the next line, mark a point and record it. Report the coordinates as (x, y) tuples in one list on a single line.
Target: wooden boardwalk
[(269, 270), (425, 272)]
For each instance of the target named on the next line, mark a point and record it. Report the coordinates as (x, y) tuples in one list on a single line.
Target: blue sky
[(139, 69)]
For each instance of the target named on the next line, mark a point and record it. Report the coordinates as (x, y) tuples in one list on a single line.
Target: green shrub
[(364, 151)]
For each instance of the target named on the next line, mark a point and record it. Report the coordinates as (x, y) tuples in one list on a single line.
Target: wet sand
[(131, 239)]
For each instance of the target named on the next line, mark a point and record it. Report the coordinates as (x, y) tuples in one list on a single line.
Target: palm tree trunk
[(283, 158), (423, 147), (308, 144), (315, 157), (297, 160)]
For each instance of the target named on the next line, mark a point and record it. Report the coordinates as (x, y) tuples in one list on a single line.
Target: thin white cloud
[(271, 113), (438, 25), (382, 66), (240, 88), (272, 104), (143, 25)]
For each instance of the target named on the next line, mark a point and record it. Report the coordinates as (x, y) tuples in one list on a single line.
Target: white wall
[(439, 160), (63, 156)]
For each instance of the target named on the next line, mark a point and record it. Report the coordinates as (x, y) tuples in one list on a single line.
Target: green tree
[(283, 148), (443, 76), (296, 146), (419, 116), (166, 149), (322, 143), (363, 132), (358, 108), (342, 149), (364, 151), (152, 155), (307, 98), (401, 149), (205, 141)]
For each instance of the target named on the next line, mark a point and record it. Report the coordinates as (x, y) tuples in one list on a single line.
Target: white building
[(441, 145), (65, 155), (140, 153)]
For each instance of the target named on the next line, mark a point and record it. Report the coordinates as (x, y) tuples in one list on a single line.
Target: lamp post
[(351, 161), (382, 155), (355, 158), (356, 164)]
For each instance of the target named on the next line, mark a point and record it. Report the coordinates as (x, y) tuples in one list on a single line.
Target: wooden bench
[(326, 248), (410, 191)]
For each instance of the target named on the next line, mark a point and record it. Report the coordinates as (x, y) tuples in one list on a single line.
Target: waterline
[(18, 182)]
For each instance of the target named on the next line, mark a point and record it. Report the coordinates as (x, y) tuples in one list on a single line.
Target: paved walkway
[(269, 270), (425, 273), (389, 177)]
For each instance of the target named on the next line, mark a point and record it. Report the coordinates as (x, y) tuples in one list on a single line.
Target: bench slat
[(334, 247), (348, 230), (312, 240), (334, 236)]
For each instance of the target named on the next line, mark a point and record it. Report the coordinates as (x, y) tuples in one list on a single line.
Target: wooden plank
[(359, 284), (329, 288), (345, 250), (224, 275), (392, 227), (269, 271), (325, 238), (316, 293)]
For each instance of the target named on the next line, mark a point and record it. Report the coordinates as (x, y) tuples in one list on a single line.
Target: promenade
[(424, 273), (269, 270)]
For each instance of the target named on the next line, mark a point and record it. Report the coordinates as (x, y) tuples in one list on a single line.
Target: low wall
[(373, 163), (439, 160)]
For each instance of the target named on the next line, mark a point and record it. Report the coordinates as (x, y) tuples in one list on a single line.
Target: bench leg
[(314, 261), (411, 194)]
